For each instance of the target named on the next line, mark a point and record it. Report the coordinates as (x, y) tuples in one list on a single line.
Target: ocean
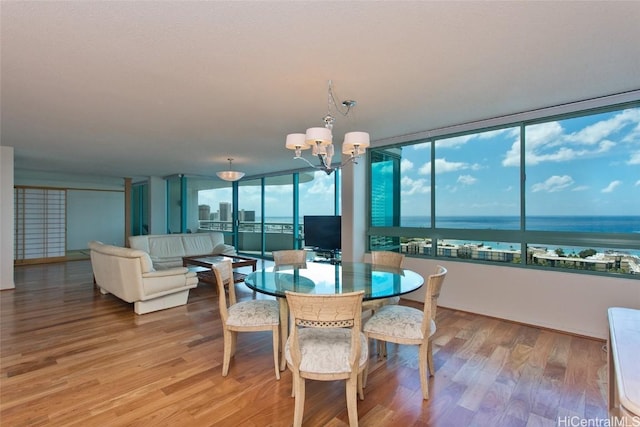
[(589, 224)]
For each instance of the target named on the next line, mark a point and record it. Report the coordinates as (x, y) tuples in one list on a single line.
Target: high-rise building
[(247, 216), (203, 212), (226, 213)]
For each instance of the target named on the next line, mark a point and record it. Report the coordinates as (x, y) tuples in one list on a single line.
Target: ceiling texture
[(156, 88)]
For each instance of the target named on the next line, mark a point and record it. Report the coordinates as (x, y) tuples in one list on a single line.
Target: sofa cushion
[(162, 247), (167, 250), (139, 242), (167, 263), (198, 244)]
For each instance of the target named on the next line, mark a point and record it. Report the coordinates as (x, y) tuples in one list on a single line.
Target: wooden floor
[(71, 356)]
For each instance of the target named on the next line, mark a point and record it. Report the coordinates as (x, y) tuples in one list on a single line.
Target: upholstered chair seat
[(326, 351), (399, 321), (254, 313)]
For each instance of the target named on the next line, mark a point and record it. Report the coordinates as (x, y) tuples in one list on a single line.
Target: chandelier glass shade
[(320, 139), (230, 175)]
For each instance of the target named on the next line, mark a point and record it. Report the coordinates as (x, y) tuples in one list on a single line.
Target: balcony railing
[(280, 234), (250, 227)]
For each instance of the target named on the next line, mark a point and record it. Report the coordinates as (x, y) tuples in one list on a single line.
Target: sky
[(578, 166), (316, 196)]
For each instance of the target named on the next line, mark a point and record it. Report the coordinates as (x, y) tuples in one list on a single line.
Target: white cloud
[(425, 169), (635, 159), (458, 141), (553, 184), (612, 186), (634, 135), (549, 142), (421, 146), (580, 188), (321, 187), (405, 165), (442, 166), (455, 141), (512, 157), (466, 179), (414, 186), (593, 134), (387, 169)]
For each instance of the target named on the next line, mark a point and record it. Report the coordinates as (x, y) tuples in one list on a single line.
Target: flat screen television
[(322, 232)]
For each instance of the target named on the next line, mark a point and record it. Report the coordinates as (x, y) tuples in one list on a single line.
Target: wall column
[(6, 218), (127, 211), (354, 215)]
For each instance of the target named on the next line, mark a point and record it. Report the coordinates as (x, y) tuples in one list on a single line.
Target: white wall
[(571, 302), (95, 205), (94, 215), (62, 180), (6, 218)]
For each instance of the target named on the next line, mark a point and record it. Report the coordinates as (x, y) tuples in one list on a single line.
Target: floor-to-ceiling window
[(140, 208), (563, 190), (266, 215), (210, 206), (175, 206), (279, 212), (250, 217)]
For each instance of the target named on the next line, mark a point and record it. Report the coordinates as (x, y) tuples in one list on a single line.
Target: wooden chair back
[(387, 258), (290, 257), (223, 272), (436, 288), (434, 285), (326, 311)]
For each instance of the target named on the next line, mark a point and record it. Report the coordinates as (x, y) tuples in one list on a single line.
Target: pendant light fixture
[(230, 175)]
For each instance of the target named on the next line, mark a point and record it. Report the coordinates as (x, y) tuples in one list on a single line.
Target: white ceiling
[(144, 88)]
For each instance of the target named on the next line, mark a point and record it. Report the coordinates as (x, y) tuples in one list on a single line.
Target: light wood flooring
[(71, 356)]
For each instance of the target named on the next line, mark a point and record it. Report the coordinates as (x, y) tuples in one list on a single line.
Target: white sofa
[(129, 275), (167, 250)]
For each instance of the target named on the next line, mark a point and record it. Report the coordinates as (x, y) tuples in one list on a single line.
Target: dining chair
[(387, 259), (290, 257), (326, 344), (407, 325), (244, 316)]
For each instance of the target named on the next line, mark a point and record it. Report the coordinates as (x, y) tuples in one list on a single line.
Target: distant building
[(247, 216), (226, 213), (204, 212)]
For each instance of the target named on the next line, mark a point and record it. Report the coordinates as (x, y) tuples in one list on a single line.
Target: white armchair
[(129, 275)]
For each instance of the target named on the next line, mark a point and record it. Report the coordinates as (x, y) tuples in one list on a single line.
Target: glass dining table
[(376, 281)]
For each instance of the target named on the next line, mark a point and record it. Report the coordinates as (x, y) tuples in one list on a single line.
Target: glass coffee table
[(202, 264)]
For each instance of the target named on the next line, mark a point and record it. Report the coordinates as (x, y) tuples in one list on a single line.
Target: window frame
[(521, 236)]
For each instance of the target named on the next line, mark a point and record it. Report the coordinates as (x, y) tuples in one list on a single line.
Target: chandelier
[(320, 139), (230, 175)]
